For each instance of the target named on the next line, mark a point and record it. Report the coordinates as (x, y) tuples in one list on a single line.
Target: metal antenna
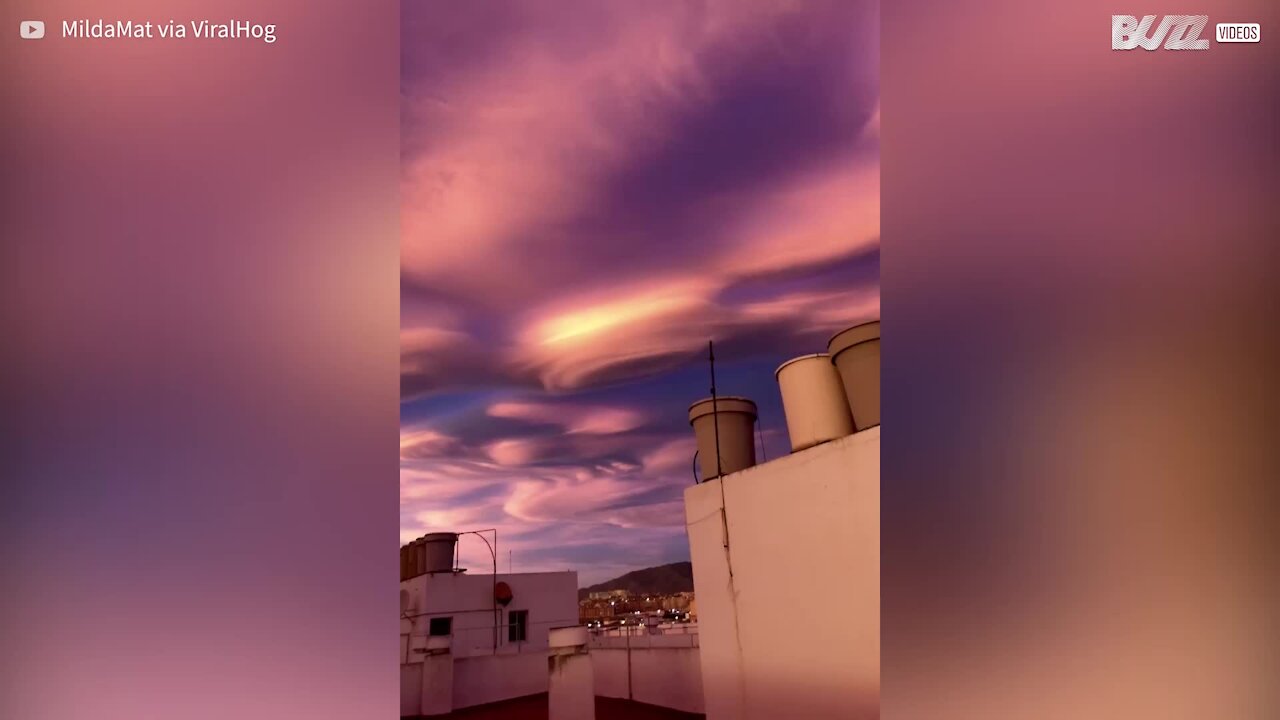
[(715, 409), (715, 415)]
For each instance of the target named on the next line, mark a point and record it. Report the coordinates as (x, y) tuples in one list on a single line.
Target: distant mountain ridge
[(660, 580)]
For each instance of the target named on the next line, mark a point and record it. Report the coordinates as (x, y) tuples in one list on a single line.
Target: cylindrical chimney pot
[(736, 417), (856, 355), (813, 400), (438, 549)]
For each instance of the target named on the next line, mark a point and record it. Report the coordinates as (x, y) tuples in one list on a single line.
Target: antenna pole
[(493, 551), (715, 408)]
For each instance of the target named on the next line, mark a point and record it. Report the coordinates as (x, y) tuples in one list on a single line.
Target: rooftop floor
[(534, 707)]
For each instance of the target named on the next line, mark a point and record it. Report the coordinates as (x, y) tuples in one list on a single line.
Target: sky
[(590, 192)]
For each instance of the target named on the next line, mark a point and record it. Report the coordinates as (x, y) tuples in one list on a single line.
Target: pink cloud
[(424, 443), (574, 418), (514, 452), (518, 146), (577, 345), (818, 218), (528, 137), (513, 151), (817, 311), (671, 457), (556, 509), (524, 451), (601, 497)]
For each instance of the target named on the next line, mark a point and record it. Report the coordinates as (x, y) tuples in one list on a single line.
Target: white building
[(794, 632), (463, 644), (786, 555), (461, 606)]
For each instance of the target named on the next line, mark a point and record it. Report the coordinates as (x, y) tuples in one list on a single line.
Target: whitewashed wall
[(669, 677), (803, 534), (410, 689), (610, 673), (485, 679)]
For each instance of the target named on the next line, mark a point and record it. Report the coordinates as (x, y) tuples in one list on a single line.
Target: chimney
[(438, 551), (856, 355), (813, 400), (736, 418), (419, 557), (431, 553)]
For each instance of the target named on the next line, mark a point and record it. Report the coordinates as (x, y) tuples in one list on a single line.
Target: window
[(441, 627), (517, 626)]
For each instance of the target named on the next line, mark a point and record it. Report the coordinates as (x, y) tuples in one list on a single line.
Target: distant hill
[(660, 580)]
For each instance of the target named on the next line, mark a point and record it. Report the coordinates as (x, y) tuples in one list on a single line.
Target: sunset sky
[(590, 192)]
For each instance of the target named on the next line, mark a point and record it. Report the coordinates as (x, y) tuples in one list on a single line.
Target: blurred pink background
[(1079, 276), (198, 286)]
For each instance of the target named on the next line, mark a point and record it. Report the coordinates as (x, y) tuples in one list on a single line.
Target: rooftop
[(534, 707)]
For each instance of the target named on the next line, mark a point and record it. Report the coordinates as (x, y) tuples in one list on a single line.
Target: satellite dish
[(502, 593)]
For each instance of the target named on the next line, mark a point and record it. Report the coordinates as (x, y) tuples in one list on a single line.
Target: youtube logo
[(31, 29)]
